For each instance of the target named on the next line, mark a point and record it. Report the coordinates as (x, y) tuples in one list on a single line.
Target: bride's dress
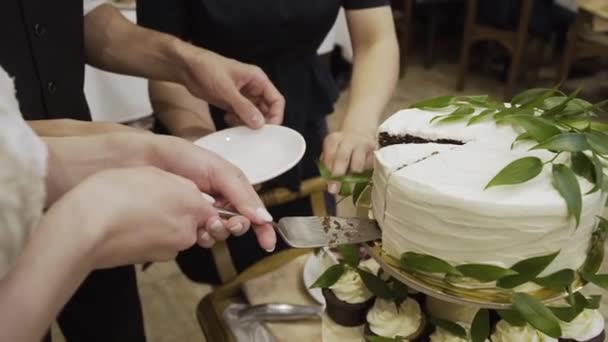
[(22, 175)]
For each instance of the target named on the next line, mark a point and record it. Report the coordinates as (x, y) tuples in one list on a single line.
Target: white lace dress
[(22, 176)]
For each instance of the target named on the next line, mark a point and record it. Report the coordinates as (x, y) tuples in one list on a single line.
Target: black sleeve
[(362, 4), (168, 16)]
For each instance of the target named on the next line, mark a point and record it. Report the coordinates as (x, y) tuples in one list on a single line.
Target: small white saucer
[(262, 154)]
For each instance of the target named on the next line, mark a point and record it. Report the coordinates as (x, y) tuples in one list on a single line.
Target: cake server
[(313, 231)]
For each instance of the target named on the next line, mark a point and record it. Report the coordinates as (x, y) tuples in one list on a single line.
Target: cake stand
[(461, 293)]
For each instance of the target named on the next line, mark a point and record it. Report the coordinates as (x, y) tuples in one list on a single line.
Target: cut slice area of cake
[(429, 196)]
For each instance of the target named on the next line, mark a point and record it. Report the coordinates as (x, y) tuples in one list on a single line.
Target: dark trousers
[(106, 308)]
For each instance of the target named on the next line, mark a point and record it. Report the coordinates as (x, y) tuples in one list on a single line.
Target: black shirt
[(280, 36), (43, 50)]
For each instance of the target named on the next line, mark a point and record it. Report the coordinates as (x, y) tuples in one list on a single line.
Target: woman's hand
[(345, 151)]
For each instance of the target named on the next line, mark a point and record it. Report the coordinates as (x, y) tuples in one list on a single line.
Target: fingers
[(267, 237), (238, 225), (330, 148), (273, 105), (245, 109), (233, 120), (358, 159)]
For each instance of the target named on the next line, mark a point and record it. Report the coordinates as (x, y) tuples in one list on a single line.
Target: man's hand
[(243, 91), (69, 128)]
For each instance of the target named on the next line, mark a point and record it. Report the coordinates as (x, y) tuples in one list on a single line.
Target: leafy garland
[(560, 123)]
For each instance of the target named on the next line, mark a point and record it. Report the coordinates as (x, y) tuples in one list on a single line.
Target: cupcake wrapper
[(598, 338), (345, 314)]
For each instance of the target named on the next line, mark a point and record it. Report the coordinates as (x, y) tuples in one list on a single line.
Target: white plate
[(262, 154), (313, 268)]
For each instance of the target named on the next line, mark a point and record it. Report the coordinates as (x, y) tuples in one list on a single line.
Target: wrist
[(183, 54)]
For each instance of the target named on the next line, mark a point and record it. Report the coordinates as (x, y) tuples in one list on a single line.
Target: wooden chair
[(314, 187), (577, 47), (513, 41)]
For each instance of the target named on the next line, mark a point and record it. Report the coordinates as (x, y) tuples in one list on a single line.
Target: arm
[(184, 115), (69, 127), (375, 72), (115, 44)]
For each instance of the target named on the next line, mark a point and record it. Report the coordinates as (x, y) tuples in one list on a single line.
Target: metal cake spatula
[(313, 231)]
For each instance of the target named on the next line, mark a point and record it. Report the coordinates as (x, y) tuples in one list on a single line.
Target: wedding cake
[(429, 196)]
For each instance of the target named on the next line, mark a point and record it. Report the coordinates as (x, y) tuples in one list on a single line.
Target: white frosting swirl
[(350, 288), (587, 325), (370, 265), (441, 335), (509, 333), (385, 319)]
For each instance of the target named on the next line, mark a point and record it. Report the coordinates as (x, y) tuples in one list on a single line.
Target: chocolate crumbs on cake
[(385, 139)]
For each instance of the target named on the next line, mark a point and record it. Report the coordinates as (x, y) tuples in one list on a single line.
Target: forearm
[(44, 277), (70, 128), (183, 114), (70, 159), (375, 72), (115, 44)]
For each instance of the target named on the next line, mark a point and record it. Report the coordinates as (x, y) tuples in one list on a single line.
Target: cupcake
[(348, 300), (588, 326), (442, 335), (387, 319), (504, 332)]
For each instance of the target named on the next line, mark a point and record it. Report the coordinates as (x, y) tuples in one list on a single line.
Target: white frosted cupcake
[(348, 299), (387, 319), (588, 326), (505, 332)]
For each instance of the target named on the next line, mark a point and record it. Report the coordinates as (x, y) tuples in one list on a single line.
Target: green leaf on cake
[(486, 113), (518, 171), (595, 255), (426, 263), (583, 166), (434, 103), (323, 170), (459, 113), (577, 302), (480, 328), (556, 281), (536, 127), (376, 285), (521, 137), (598, 173), (528, 270), (358, 191), (345, 189), (593, 302), (598, 141), (560, 107), (329, 277), (451, 327), (350, 254), (535, 96), (567, 141), (512, 317), (400, 291), (484, 273), (565, 182), (600, 280), (535, 313)]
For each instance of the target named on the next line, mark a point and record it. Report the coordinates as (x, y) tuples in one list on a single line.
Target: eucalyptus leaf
[(564, 313), (518, 171), (345, 189), (598, 174), (598, 141), (538, 128), (600, 280), (593, 302), (486, 113), (512, 317), (376, 285), (426, 263), (535, 313), (452, 118), (477, 100), (528, 270), (358, 191), (564, 180), (480, 328), (583, 166), (560, 107), (437, 102), (532, 94), (557, 281), (537, 101), (568, 142), (513, 281), (451, 327), (400, 291), (361, 177), (350, 254), (521, 137), (329, 277), (595, 255), (484, 273)]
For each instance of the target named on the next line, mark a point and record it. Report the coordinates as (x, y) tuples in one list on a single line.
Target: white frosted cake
[(428, 196)]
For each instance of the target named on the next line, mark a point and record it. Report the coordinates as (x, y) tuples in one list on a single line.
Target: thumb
[(245, 109)]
